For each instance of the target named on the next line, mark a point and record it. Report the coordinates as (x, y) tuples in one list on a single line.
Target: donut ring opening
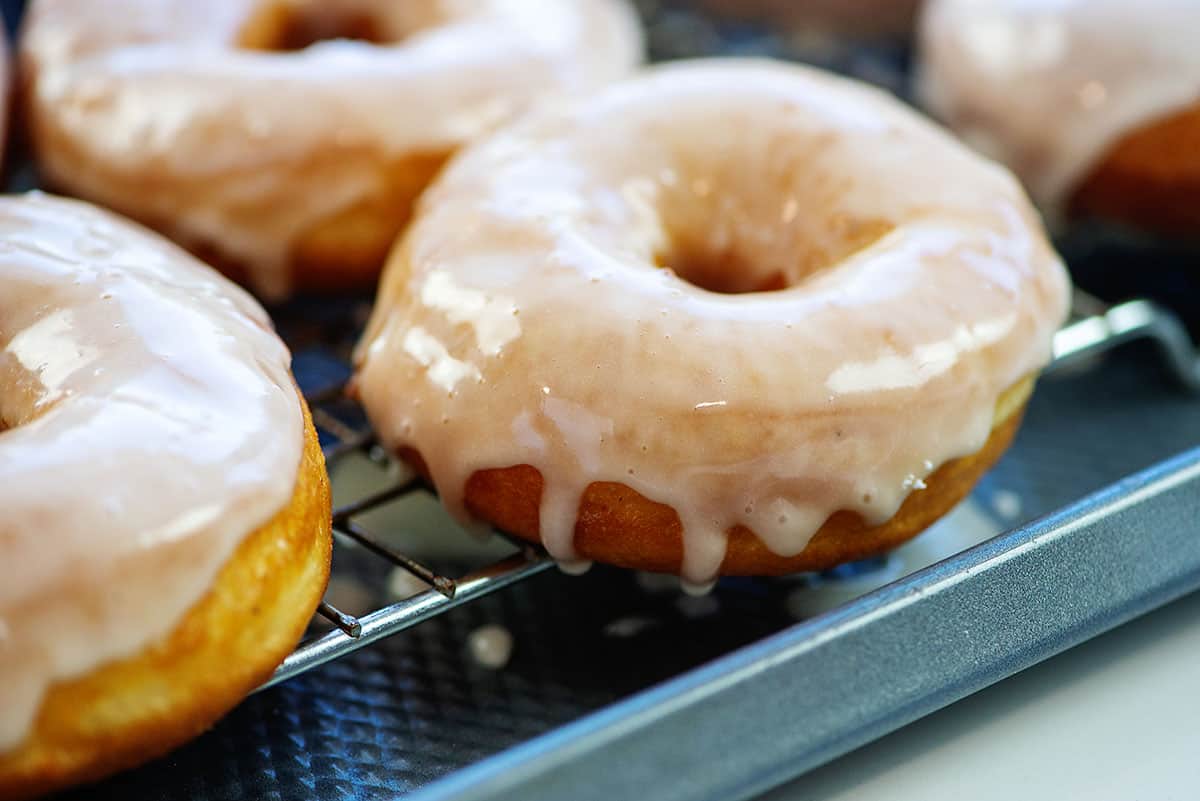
[(763, 214), (283, 26), (730, 270)]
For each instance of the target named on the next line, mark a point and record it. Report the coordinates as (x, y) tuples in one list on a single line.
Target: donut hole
[(22, 396), (290, 25), (732, 247), (747, 206), (301, 31), (723, 273), (6, 395)]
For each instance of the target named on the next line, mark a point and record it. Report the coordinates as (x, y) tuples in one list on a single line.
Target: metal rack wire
[(1094, 329), (444, 592)]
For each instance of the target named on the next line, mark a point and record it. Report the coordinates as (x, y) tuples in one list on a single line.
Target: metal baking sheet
[(765, 714)]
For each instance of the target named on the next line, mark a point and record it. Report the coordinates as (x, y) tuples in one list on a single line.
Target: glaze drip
[(154, 424), (910, 305)]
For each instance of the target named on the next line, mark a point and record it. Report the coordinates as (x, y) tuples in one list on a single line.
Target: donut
[(727, 317), (1094, 105), (166, 527), (291, 161)]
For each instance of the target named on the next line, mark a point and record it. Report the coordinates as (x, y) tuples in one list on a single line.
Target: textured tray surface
[(410, 709)]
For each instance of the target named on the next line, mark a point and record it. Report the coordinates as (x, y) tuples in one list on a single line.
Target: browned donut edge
[(343, 252), (1150, 178), (617, 525), (346, 251), (131, 711)]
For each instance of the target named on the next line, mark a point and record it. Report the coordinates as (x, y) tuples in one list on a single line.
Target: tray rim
[(1138, 537)]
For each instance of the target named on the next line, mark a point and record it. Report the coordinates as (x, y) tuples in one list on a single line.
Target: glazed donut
[(715, 319), (292, 169), (1095, 105), (165, 536)]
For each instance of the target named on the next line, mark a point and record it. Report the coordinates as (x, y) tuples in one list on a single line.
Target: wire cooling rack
[(1094, 329), (339, 441)]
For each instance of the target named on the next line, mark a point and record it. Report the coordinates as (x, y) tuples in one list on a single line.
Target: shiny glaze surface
[(524, 319), (148, 423), (149, 106), (1047, 86)]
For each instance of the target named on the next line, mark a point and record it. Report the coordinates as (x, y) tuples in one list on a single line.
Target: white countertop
[(1115, 718)]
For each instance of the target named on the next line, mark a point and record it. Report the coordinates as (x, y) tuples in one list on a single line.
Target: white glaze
[(147, 106), (1047, 86), (769, 409), (152, 424)]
